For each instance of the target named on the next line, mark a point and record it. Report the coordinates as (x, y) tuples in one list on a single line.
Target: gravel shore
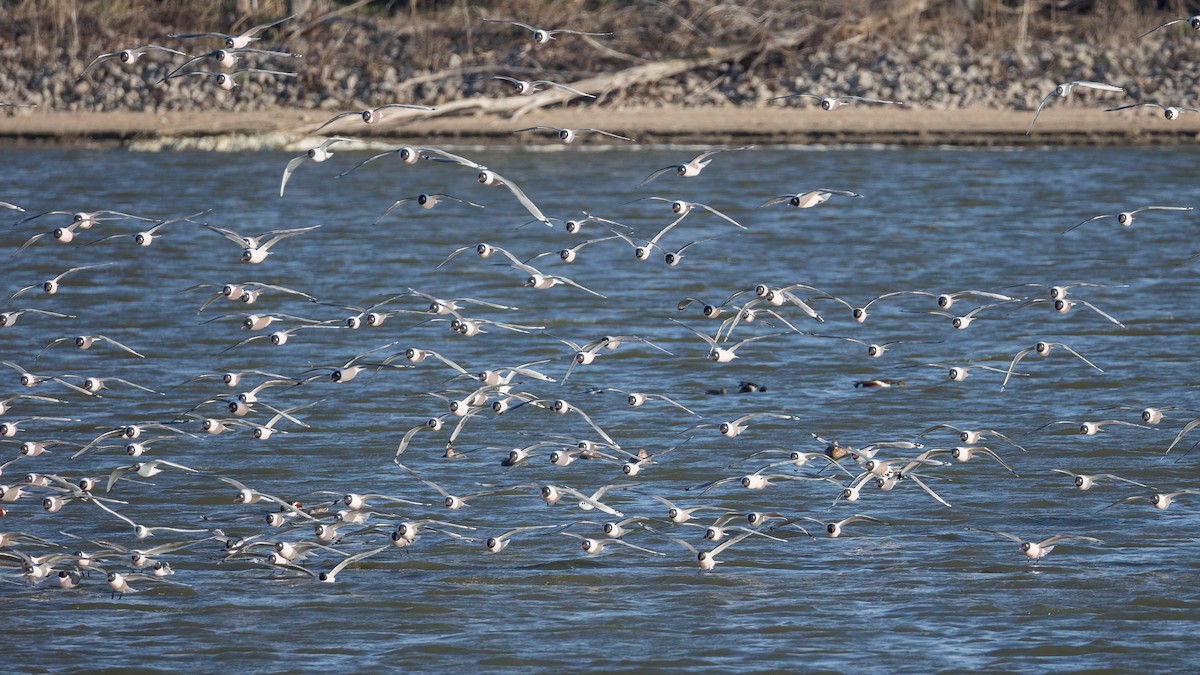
[(956, 93)]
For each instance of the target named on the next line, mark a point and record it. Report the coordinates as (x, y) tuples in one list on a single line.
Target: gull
[(9, 318), (1125, 218), (331, 576), (142, 531), (1039, 550), (11, 207), (1170, 112), (964, 321), (1093, 428), (496, 376), (84, 220), (247, 292), (435, 424), (95, 384), (246, 495), (529, 87), (835, 529), (234, 41), (50, 286), (256, 249), (1043, 349), (635, 399), (586, 354), (230, 379), (425, 201), (483, 250), (440, 306), (877, 350), (682, 208), (734, 428), (227, 58), (543, 35), (128, 56), (489, 177), (257, 322), (415, 355), (144, 470), (1193, 21), (755, 481), (569, 135), (278, 338), (679, 515), (263, 432), (946, 300), (750, 313), (708, 559), (350, 369), (358, 502), (147, 237), (132, 431), (411, 155), (1088, 481), (86, 342), (63, 235), (9, 428), (967, 452), (540, 280), (960, 373), (1063, 305), (1148, 415), (499, 543), (808, 198), (228, 81), (558, 406), (1064, 90), (1159, 500), (971, 437), (6, 404), (1060, 292), (317, 154), (552, 494), (721, 354), (120, 585), (456, 502), (409, 530), (835, 102), (372, 115), (633, 465), (860, 313), (570, 255), (596, 546), (673, 258), (692, 167), (474, 326), (28, 379)]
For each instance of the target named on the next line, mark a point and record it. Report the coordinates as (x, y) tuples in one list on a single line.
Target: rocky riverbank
[(674, 58)]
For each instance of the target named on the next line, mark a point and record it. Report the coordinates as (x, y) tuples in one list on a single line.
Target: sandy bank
[(702, 125)]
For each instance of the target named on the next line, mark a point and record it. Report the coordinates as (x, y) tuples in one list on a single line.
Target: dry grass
[(371, 50)]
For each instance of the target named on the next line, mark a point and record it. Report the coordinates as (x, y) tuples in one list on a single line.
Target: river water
[(932, 587)]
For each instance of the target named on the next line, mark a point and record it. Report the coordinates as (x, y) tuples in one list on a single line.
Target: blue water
[(931, 589)]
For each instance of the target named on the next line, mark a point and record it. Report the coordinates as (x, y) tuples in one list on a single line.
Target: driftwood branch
[(515, 106)]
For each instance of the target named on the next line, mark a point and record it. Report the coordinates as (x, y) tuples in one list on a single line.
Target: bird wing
[(97, 61), (1039, 111), (287, 172)]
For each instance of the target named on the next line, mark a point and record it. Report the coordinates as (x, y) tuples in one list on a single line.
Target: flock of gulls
[(59, 463)]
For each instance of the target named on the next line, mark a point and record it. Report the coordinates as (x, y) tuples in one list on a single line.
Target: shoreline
[(209, 130)]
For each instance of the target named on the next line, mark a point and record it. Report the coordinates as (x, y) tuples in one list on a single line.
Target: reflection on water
[(923, 588)]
